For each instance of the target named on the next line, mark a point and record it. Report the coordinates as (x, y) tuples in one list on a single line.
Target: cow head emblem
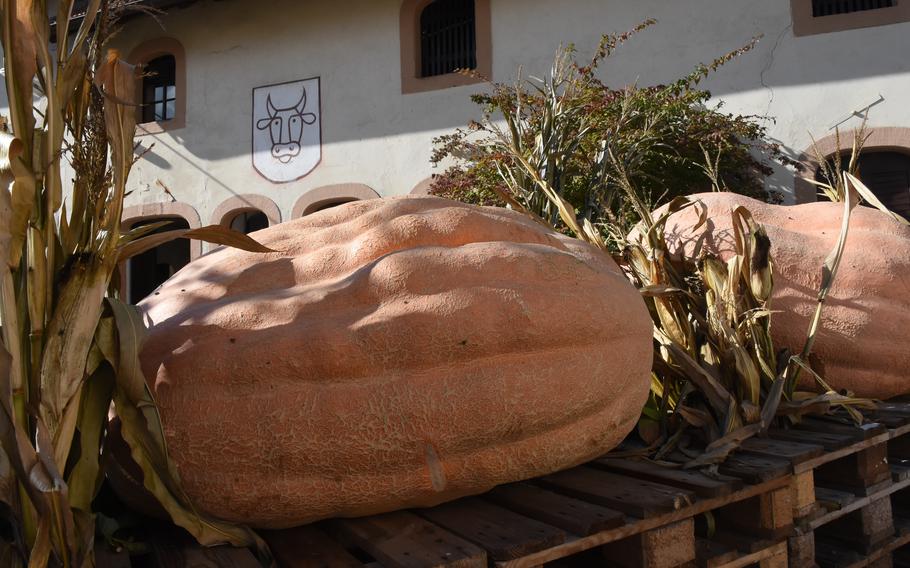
[(285, 126), (286, 137)]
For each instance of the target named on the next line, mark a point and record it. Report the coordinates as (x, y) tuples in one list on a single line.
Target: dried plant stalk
[(69, 350), (718, 378)]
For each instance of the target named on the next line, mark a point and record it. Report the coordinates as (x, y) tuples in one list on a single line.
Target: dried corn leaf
[(142, 430), (216, 234), (871, 198)]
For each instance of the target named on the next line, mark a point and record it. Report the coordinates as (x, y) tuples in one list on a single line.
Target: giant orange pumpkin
[(393, 353), (862, 345)]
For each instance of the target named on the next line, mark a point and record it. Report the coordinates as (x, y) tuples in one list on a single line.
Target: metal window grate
[(821, 8), (448, 39)]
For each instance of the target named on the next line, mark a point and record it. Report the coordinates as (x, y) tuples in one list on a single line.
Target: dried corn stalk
[(69, 351)]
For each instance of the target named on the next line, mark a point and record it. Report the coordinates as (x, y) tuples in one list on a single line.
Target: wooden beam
[(576, 545)]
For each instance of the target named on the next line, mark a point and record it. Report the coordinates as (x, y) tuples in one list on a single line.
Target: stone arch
[(320, 197), (135, 213), (242, 203), (887, 138)]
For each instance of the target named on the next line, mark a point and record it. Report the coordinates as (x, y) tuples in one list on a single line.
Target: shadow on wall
[(351, 113)]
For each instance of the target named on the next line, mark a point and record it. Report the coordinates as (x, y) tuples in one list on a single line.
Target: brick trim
[(886, 138), (321, 196), (231, 207)]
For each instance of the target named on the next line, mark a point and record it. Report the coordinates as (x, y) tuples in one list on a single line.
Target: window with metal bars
[(821, 8), (159, 89), (448, 37)]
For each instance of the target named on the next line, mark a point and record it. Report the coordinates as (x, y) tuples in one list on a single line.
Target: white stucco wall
[(374, 135)]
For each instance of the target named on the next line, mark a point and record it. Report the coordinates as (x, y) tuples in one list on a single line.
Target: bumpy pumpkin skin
[(862, 345), (395, 353)]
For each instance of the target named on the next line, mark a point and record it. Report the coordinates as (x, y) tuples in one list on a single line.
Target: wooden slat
[(755, 469), (856, 433), (503, 534), (631, 496), (573, 515), (829, 441), (890, 419), (308, 547), (701, 484), (832, 499), (711, 554), (637, 526), (794, 452), (166, 556), (835, 454), (774, 556), (404, 540), (745, 544), (894, 407), (900, 471), (855, 505), (863, 471)]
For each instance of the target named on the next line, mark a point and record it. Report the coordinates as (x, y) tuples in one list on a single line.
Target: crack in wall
[(770, 63)]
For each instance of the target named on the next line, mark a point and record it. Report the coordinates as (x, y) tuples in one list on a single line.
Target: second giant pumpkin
[(393, 353), (862, 345)]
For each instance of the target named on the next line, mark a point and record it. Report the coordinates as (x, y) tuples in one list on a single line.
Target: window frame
[(805, 24), (168, 91), (411, 81), (147, 52)]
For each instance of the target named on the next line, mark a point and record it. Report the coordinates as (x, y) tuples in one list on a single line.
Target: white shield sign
[(287, 134)]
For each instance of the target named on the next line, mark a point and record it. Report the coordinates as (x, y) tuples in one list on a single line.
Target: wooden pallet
[(843, 497), (818, 494), (623, 512)]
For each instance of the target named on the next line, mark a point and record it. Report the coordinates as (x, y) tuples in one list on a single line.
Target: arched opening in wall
[(249, 221), (147, 271), (887, 174), (323, 205)]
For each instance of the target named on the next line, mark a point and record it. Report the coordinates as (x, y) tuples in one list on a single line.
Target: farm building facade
[(259, 112)]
